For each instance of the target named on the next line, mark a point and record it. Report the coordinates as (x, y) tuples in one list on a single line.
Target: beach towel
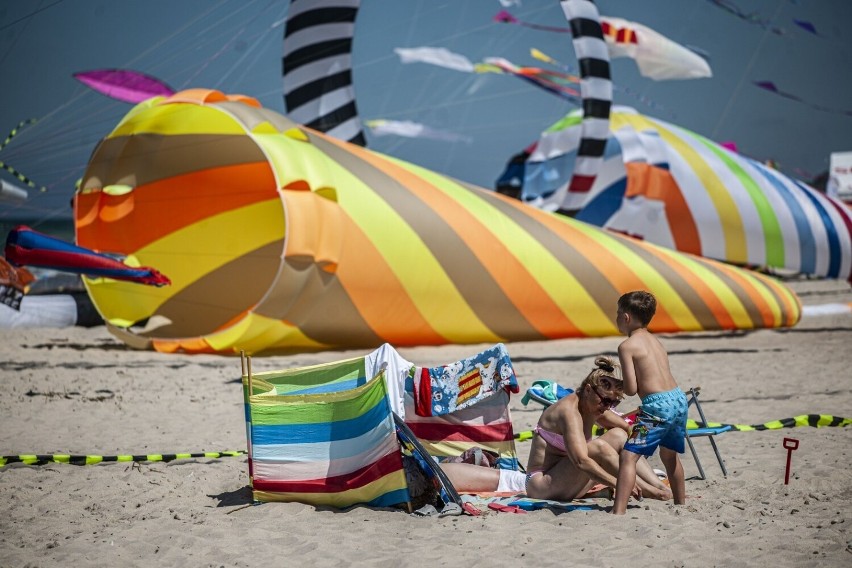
[(449, 388)]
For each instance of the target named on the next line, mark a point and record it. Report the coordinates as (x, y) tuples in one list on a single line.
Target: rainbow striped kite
[(674, 188), (276, 236)]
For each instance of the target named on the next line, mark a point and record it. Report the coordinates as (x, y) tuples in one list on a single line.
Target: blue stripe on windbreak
[(807, 242), (326, 451), (390, 498), (332, 387), (831, 231), (599, 210), (322, 431)]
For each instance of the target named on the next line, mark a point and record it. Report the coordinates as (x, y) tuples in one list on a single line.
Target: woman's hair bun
[(604, 364)]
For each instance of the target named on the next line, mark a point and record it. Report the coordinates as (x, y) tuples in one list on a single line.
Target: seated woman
[(565, 461)]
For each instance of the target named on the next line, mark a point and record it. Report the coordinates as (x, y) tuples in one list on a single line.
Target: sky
[(235, 46)]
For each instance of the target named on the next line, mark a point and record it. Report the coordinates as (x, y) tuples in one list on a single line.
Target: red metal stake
[(790, 444)]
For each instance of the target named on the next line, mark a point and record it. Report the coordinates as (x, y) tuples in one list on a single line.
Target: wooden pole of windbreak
[(248, 366), (245, 363)]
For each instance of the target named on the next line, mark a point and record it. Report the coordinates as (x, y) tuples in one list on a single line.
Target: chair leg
[(694, 392), (695, 457), (719, 457)]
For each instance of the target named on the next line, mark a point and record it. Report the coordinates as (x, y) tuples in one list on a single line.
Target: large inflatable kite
[(277, 236), (675, 188)]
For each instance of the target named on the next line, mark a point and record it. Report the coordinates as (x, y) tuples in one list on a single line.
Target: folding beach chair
[(545, 392), (703, 431)]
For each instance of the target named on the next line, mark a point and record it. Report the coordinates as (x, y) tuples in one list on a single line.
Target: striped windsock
[(277, 236), (317, 67), (596, 91)]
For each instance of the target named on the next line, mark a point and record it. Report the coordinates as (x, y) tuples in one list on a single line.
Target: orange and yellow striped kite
[(278, 237)]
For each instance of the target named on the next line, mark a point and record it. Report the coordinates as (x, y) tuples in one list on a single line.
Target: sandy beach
[(81, 391)]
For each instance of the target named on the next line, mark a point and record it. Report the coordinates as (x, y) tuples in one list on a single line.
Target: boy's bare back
[(649, 362), (644, 361)]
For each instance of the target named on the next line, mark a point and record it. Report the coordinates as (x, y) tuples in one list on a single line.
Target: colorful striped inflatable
[(324, 436), (275, 236), (672, 187)]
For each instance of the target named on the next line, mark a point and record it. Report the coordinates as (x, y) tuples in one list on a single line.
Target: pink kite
[(124, 84)]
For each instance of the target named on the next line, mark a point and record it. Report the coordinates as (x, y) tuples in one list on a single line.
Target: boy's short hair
[(640, 304)]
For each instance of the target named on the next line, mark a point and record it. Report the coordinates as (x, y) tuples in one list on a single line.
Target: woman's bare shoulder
[(561, 412)]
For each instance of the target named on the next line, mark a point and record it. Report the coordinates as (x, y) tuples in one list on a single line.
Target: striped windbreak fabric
[(323, 435)]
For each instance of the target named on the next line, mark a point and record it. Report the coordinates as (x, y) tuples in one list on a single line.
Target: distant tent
[(13, 284), (324, 434), (49, 301)]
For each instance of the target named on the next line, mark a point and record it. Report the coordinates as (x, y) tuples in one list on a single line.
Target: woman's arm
[(610, 419), (628, 370), (578, 449)]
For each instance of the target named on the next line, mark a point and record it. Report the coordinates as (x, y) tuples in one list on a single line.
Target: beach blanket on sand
[(521, 503)]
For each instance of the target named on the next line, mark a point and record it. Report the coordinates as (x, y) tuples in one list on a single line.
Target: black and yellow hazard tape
[(812, 420), (42, 459)]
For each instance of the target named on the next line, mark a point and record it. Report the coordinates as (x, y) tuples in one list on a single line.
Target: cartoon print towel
[(445, 389)]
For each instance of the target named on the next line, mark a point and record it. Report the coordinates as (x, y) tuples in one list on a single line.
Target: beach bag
[(476, 456)]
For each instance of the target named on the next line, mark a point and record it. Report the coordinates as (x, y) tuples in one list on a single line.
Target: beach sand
[(80, 391)]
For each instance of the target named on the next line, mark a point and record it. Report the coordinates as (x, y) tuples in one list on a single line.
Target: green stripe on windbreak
[(318, 408), (305, 377), (772, 234)]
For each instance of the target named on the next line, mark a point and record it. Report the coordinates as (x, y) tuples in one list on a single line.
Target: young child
[(662, 419)]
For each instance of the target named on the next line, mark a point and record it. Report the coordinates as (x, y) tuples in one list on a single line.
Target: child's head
[(604, 381), (640, 305)]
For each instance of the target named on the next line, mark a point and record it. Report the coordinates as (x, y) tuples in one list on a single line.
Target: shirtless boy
[(662, 420)]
